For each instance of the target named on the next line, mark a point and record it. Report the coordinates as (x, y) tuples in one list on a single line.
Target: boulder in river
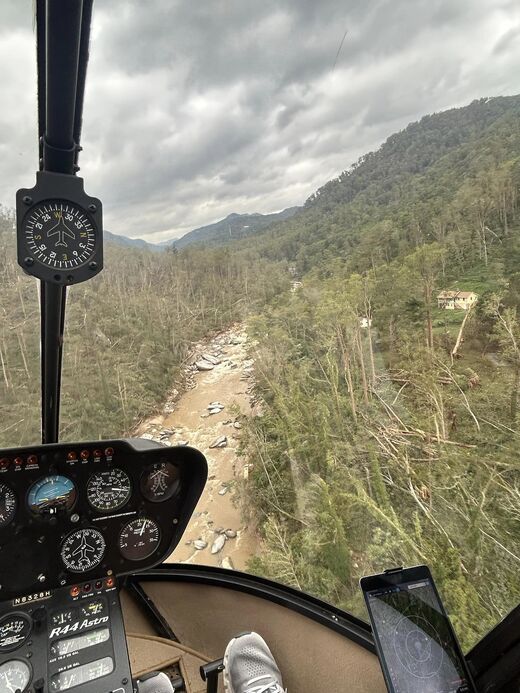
[(219, 442), (218, 544), (204, 366)]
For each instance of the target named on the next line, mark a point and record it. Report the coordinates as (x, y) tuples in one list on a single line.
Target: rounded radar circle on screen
[(83, 550), (160, 482), (414, 639)]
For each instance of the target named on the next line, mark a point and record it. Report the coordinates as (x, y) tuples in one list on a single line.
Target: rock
[(227, 563), (200, 544), (219, 530), (211, 477), (230, 534), (211, 359), (218, 544), (237, 424), (223, 491), (219, 442), (181, 443), (204, 366), (216, 410), (147, 436)]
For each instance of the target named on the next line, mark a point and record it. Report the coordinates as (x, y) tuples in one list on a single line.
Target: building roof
[(456, 294)]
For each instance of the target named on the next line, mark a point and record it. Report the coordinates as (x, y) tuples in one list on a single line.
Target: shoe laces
[(255, 686)]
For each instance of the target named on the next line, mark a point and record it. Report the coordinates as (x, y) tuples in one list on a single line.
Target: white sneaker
[(249, 666)]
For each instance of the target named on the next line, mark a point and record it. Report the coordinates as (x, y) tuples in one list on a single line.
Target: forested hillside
[(390, 426)]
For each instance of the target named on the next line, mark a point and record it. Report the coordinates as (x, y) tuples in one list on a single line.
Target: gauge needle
[(142, 529)]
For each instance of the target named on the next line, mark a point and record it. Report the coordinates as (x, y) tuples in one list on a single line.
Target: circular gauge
[(50, 494), (7, 505), (109, 490), (14, 676), (14, 631), (139, 539), (83, 550), (160, 482), (59, 234)]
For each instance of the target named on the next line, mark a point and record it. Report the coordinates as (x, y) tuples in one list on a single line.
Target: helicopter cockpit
[(87, 600)]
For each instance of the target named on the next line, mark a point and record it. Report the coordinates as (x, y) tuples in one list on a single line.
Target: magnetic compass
[(59, 230)]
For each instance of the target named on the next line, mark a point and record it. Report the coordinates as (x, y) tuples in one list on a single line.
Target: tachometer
[(109, 490), (7, 505), (50, 494), (14, 675), (160, 482), (139, 539), (83, 550), (14, 631)]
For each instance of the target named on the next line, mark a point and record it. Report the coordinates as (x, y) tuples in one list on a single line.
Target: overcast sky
[(195, 110)]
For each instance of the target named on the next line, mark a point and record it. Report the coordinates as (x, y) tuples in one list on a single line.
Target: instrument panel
[(92, 509)]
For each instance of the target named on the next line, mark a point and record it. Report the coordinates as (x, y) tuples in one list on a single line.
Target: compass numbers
[(139, 539), (7, 505), (109, 490), (160, 482), (83, 550), (59, 234)]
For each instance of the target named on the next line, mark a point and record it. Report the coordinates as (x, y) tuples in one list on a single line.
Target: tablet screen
[(414, 637)]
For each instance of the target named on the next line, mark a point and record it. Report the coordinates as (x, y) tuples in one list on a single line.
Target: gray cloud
[(196, 110)]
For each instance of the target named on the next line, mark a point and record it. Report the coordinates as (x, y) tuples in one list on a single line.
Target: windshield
[(311, 274)]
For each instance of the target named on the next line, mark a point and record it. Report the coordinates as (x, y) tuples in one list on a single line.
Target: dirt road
[(216, 534)]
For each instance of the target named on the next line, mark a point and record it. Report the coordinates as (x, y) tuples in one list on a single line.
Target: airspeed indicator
[(109, 490)]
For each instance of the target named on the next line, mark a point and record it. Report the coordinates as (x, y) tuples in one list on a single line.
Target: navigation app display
[(418, 648)]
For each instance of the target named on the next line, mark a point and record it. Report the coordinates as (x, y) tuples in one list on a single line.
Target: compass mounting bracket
[(55, 193)]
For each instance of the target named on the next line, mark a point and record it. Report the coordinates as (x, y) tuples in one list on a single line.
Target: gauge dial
[(59, 234), (7, 505), (109, 490), (139, 539), (50, 494), (160, 482), (14, 631), (14, 676), (83, 550)]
